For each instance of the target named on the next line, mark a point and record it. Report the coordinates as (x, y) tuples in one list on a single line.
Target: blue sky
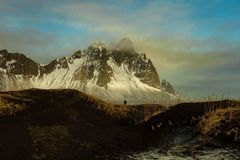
[(193, 43)]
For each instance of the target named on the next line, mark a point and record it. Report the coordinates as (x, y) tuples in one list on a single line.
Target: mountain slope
[(112, 74)]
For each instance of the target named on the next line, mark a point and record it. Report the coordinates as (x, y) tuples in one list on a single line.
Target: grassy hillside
[(190, 129), (188, 112), (222, 123), (67, 124)]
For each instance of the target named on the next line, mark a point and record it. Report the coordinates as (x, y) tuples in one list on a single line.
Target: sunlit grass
[(222, 122)]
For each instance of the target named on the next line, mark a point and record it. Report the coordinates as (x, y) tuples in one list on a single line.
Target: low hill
[(189, 111), (194, 129), (67, 124)]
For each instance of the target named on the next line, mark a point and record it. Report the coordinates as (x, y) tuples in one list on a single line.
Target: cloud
[(35, 44)]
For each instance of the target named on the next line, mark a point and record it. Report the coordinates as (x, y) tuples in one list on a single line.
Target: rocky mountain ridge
[(111, 73)]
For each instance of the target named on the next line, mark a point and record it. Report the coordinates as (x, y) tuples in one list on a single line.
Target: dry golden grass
[(9, 108), (222, 122), (139, 112), (15, 101)]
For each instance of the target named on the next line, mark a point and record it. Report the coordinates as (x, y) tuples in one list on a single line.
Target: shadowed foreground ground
[(67, 124)]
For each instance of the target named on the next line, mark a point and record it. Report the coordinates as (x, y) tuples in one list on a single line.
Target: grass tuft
[(222, 122)]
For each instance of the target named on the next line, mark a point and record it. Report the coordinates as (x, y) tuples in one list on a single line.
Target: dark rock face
[(121, 56), (145, 71), (105, 74), (77, 54), (55, 64), (86, 72), (16, 63), (168, 87), (139, 65), (3, 52), (97, 58)]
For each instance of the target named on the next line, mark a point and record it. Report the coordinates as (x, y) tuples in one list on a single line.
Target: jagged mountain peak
[(3, 52), (17, 64), (167, 87), (112, 75)]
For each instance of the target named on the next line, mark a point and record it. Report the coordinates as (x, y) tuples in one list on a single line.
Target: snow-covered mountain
[(111, 73)]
